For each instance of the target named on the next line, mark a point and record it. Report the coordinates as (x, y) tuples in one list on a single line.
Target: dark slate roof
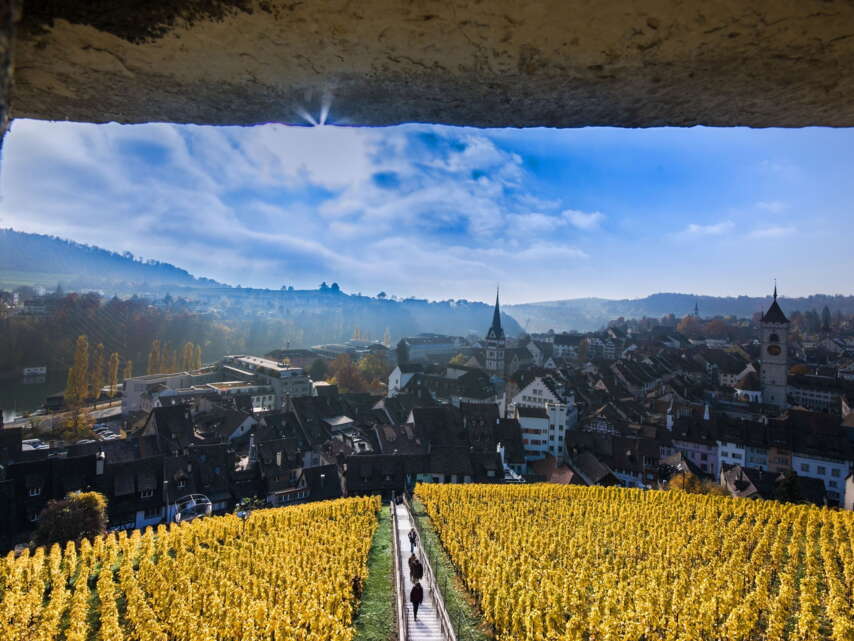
[(774, 314), (450, 460), (400, 439), (592, 470), (323, 482), (281, 424), (508, 432), (173, 423)]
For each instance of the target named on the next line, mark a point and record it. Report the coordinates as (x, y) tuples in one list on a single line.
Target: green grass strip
[(461, 605), (375, 620)]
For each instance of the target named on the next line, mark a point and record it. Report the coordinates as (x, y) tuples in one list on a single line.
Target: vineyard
[(288, 575), (576, 563)]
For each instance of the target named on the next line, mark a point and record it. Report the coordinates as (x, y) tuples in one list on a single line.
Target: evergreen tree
[(114, 373), (96, 371), (154, 357), (318, 370), (825, 319)]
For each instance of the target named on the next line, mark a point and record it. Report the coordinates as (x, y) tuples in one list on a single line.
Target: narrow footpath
[(427, 627)]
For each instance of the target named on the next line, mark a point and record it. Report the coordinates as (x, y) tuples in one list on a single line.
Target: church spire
[(775, 290), (496, 315), (495, 331)]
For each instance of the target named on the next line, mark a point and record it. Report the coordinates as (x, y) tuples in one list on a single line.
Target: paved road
[(427, 626)]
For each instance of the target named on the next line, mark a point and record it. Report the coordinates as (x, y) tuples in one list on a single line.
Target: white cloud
[(708, 230), (774, 231), (584, 220), (773, 206)]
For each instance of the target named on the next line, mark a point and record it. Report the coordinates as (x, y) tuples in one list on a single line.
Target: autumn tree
[(346, 375), (459, 359), (197, 357), (114, 373), (128, 370), (96, 371), (690, 327), (80, 515), (154, 357), (692, 484), (78, 376), (186, 357)]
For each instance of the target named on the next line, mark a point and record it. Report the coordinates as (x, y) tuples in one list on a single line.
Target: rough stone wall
[(10, 11), (562, 63)]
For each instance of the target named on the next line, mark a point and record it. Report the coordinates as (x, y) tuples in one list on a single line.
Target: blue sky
[(445, 212)]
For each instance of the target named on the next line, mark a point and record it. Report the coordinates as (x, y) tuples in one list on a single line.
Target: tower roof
[(495, 331), (774, 313)]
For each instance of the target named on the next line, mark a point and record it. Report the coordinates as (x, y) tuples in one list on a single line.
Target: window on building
[(834, 472), (820, 469), (805, 467), (35, 491), (832, 484), (146, 494), (724, 453), (736, 455), (704, 457), (181, 483)]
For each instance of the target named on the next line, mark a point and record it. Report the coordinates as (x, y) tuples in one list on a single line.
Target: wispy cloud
[(280, 205), (774, 231), (716, 229), (584, 220), (773, 206), (443, 212)]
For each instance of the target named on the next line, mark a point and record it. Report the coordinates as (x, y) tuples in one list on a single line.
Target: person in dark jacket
[(416, 596), (412, 561), (417, 571), (413, 538)]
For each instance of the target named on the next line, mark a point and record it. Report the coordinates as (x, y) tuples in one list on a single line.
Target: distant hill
[(36, 259), (585, 314), (314, 316)]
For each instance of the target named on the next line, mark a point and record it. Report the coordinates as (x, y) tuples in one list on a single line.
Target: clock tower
[(774, 372)]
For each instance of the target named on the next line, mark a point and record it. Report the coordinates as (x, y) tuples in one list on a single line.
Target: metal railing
[(400, 594), (445, 625)]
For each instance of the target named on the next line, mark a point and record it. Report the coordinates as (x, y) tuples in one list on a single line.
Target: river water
[(18, 395)]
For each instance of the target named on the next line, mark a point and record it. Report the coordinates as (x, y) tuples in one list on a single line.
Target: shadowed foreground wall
[(562, 63)]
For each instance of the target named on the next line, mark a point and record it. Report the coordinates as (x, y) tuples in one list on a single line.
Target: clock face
[(774, 350)]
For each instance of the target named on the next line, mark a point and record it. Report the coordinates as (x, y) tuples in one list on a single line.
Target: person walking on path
[(412, 561), (417, 571), (413, 539), (416, 596)]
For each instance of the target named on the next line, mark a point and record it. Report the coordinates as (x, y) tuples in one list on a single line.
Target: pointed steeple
[(495, 331), (774, 313)]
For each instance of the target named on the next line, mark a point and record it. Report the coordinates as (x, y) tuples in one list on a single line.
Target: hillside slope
[(585, 314), (37, 259)]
